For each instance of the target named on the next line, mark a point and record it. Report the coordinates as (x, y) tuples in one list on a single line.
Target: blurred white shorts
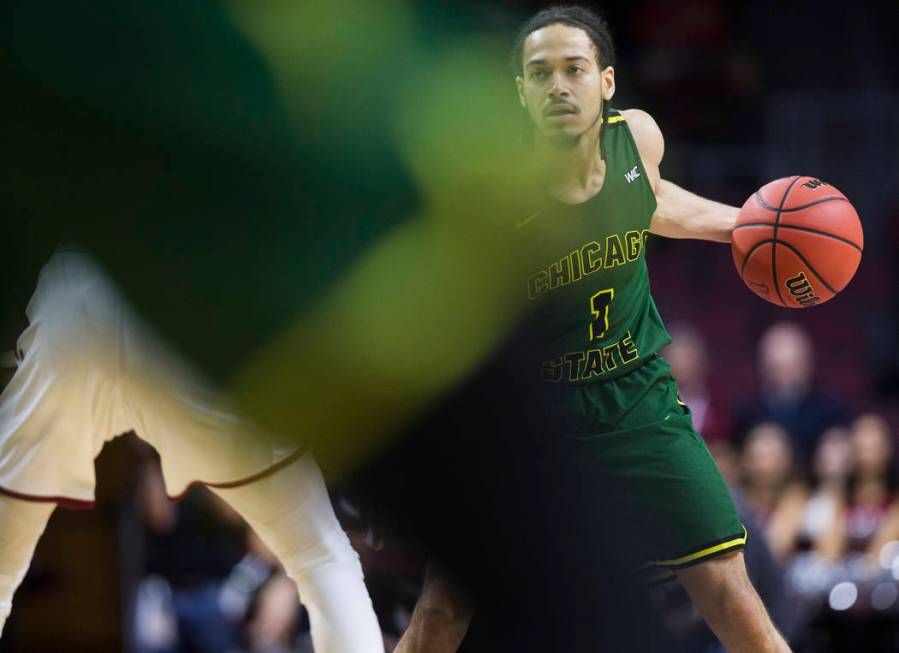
[(90, 370)]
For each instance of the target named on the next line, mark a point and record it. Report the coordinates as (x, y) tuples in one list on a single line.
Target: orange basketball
[(797, 242)]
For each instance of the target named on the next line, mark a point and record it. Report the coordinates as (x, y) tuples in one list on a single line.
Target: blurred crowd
[(818, 486)]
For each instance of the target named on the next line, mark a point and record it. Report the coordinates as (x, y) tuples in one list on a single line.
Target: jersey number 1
[(599, 307)]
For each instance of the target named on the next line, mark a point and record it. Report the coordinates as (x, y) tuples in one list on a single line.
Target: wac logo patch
[(631, 175), (814, 184), (801, 289)]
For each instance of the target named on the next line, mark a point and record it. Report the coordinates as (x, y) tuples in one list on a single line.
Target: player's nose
[(557, 88)]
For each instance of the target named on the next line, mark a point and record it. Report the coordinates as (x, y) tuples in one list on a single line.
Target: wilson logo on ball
[(814, 184), (801, 288)]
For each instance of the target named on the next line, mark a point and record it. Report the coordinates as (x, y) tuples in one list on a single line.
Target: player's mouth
[(559, 112)]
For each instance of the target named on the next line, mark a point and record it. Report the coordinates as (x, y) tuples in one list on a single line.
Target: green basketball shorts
[(643, 477)]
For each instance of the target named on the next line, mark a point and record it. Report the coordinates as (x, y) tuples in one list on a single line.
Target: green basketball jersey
[(595, 318)]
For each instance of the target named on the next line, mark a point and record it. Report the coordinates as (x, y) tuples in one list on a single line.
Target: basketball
[(797, 242)]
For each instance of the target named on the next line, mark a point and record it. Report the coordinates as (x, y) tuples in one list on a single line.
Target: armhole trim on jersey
[(731, 543)]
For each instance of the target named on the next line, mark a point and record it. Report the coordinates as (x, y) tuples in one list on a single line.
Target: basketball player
[(86, 370), (610, 401)]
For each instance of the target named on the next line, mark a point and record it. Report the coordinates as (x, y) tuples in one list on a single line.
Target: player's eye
[(538, 74), (575, 70)]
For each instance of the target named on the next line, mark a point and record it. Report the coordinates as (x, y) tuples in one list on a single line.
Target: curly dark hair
[(593, 24)]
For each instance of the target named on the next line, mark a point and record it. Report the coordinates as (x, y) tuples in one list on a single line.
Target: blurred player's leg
[(91, 370), (291, 512), (22, 525), (722, 592), (119, 377)]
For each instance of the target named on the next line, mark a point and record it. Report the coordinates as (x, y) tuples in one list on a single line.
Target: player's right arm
[(682, 214), (679, 213)]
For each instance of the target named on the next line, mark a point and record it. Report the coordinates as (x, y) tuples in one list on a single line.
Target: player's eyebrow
[(540, 62)]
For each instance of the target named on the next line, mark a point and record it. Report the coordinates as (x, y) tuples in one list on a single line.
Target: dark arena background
[(116, 111)]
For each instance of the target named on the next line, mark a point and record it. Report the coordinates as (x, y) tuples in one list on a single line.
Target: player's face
[(562, 86)]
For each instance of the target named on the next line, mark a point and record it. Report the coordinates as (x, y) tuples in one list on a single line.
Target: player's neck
[(577, 173)]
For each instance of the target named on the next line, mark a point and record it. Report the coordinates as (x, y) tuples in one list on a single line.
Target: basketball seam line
[(751, 250), (808, 229), (783, 200), (809, 266), (761, 200)]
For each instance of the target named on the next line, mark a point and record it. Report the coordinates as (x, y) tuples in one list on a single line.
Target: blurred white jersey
[(89, 370)]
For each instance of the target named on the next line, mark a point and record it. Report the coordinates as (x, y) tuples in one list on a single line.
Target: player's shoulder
[(646, 133), (640, 119)]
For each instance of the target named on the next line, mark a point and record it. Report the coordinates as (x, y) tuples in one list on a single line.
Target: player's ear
[(519, 84), (608, 83)]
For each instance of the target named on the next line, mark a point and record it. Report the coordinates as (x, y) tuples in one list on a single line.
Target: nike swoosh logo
[(519, 225)]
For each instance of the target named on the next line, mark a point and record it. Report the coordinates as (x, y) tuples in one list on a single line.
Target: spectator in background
[(817, 566), (274, 624), (274, 621), (688, 355), (210, 585), (191, 548), (787, 395), (829, 477), (870, 517), (771, 487)]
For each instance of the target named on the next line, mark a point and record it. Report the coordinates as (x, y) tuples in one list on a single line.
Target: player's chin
[(570, 122), (564, 137)]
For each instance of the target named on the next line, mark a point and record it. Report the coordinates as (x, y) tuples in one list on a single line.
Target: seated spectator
[(831, 466), (210, 585), (191, 548), (688, 355), (869, 517), (787, 395), (771, 488), (273, 614)]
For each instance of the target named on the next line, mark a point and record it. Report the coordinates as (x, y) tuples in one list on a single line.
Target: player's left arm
[(680, 213)]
